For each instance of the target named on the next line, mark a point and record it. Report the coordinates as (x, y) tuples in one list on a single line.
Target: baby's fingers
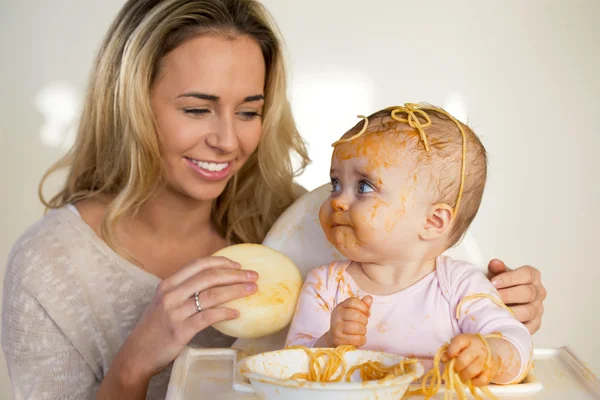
[(473, 369), (354, 328), (348, 339), (356, 304), (465, 358), (457, 344), (484, 378), (353, 315)]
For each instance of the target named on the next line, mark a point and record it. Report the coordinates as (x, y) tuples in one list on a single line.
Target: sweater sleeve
[(43, 362)]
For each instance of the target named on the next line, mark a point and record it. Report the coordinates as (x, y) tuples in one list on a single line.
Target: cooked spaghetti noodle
[(325, 372), (493, 298), (375, 370)]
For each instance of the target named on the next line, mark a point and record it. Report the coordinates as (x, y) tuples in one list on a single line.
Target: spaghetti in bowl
[(285, 374)]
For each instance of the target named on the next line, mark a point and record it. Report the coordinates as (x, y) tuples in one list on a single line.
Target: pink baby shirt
[(416, 321)]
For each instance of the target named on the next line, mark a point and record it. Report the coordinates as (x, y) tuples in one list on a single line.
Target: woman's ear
[(438, 222)]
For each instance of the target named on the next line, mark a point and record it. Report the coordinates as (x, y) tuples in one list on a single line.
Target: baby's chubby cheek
[(376, 220), (394, 217), (364, 220), (324, 219)]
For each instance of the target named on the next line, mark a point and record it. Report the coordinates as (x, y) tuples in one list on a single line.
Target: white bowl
[(269, 374)]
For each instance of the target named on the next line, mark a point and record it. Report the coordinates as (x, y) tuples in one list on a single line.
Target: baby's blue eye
[(335, 185), (364, 187)]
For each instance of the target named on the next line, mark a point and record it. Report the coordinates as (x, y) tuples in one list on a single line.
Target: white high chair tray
[(208, 374)]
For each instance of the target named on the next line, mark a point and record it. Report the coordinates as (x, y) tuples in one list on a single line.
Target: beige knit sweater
[(69, 304)]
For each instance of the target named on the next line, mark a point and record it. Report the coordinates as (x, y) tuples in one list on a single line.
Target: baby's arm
[(313, 311), (512, 352)]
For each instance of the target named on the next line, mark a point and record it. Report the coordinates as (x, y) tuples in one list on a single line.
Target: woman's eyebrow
[(212, 97)]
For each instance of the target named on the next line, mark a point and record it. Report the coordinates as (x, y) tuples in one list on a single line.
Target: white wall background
[(523, 73)]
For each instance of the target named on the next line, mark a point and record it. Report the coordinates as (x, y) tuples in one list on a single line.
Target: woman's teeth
[(210, 166)]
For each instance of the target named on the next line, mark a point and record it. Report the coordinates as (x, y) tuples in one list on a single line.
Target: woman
[(183, 148)]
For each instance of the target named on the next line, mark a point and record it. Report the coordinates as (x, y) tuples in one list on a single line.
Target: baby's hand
[(349, 322), (471, 355)]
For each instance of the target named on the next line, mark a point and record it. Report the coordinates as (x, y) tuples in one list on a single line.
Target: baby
[(405, 185)]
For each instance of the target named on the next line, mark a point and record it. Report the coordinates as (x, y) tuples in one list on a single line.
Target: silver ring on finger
[(198, 306)]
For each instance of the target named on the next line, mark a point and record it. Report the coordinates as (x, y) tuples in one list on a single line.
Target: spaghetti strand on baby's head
[(446, 151)]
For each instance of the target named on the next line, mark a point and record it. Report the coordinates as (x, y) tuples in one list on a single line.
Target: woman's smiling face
[(208, 99)]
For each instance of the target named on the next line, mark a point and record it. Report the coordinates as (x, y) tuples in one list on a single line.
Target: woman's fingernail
[(251, 274), (251, 287), (497, 282)]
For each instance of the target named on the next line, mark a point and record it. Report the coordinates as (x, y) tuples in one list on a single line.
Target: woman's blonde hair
[(117, 152)]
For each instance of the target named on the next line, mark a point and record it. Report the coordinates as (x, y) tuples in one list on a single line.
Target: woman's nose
[(224, 138)]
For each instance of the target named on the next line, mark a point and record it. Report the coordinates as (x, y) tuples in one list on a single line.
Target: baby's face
[(378, 203)]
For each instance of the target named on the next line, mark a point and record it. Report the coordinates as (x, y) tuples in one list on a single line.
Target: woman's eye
[(249, 115), (364, 187), (196, 111), (335, 185)]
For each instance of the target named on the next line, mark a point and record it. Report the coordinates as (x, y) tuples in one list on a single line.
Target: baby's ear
[(438, 222)]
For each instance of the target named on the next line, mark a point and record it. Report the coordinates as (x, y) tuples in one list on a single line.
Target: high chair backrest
[(298, 235)]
